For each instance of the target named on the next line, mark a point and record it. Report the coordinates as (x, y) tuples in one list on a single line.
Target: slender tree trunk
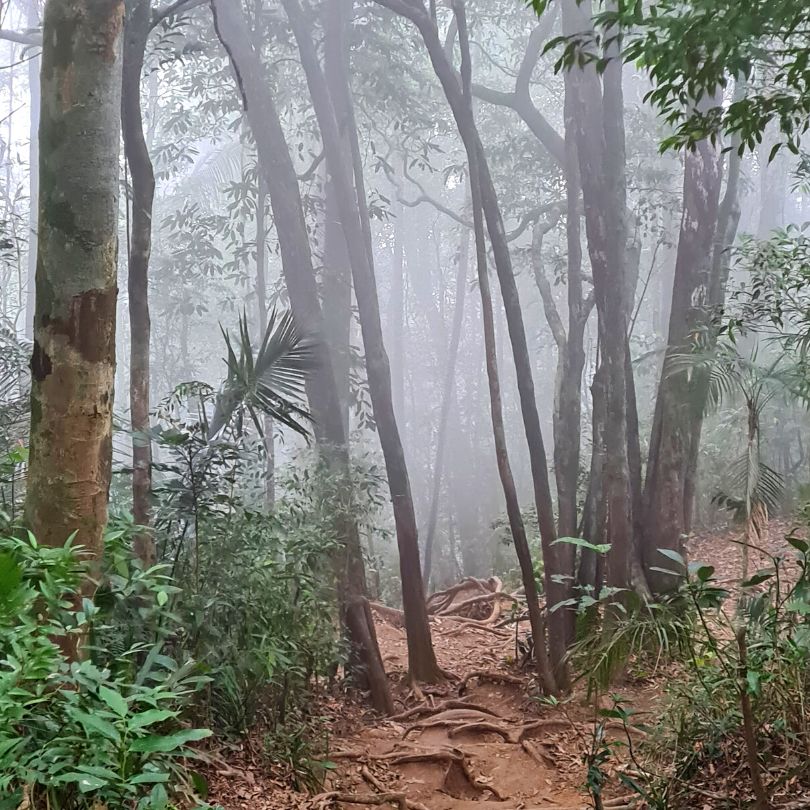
[(516, 525), (351, 199), (73, 363), (337, 278), (136, 33), (397, 317), (447, 400), (261, 298), (299, 275), (673, 421), (557, 559), (32, 20)]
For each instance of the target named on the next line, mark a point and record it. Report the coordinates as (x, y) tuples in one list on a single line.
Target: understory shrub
[(105, 730)]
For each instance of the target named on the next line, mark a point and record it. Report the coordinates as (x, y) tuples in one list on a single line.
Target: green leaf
[(162, 598), (673, 555), (86, 782), (149, 778), (162, 744), (758, 578), (115, 700), (752, 680), (599, 548), (150, 717), (92, 722)]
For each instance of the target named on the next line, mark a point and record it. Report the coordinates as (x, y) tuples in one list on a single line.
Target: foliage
[(743, 670), (269, 381), (105, 729)]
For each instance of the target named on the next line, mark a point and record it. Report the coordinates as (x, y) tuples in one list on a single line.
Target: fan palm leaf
[(270, 380)]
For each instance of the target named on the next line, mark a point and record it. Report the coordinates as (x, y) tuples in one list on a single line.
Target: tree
[(665, 496), (350, 192), (558, 562), (73, 362), (299, 274)]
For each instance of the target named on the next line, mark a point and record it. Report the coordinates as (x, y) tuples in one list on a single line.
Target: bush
[(100, 731)]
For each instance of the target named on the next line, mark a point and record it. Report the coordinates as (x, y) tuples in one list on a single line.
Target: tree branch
[(175, 7), (22, 37), (543, 285)]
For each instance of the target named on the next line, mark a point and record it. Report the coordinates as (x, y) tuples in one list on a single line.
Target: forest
[(403, 404)]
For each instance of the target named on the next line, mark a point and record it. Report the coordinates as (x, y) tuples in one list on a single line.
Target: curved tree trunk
[(558, 559), (136, 33), (73, 363), (544, 670), (299, 275), (351, 199)]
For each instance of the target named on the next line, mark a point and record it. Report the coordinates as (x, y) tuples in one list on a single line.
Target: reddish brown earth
[(456, 768)]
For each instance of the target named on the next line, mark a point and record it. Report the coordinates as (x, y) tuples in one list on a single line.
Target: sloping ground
[(477, 743)]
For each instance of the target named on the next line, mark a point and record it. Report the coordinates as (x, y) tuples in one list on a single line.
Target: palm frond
[(269, 381)]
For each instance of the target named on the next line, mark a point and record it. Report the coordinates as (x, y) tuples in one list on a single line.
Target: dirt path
[(477, 743)]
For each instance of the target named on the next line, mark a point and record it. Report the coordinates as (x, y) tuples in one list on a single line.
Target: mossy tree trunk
[(73, 362)]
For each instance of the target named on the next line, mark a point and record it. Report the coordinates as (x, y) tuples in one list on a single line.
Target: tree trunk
[(299, 274), (671, 439), (544, 669), (337, 278), (261, 298), (597, 115), (558, 560), (447, 401), (351, 199), (32, 21), (73, 363), (136, 32)]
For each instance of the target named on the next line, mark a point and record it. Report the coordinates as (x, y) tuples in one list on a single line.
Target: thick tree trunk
[(597, 115), (73, 363), (665, 494), (447, 401), (136, 33), (351, 199), (299, 275), (558, 560)]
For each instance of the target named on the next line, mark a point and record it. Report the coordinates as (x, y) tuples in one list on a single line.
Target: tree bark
[(351, 199), (73, 363), (665, 494), (299, 275), (136, 33)]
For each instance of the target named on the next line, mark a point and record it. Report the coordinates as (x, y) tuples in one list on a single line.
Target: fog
[(211, 247)]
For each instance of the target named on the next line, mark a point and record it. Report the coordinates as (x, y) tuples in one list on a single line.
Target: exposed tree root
[(324, 800), (473, 624), (449, 719), (542, 759), (494, 677), (482, 728), (391, 615), (372, 780), (458, 778), (442, 599), (445, 705)]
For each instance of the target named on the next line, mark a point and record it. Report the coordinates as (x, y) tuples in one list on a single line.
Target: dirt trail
[(477, 743)]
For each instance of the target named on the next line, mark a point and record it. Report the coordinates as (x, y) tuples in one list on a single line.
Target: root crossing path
[(479, 742)]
